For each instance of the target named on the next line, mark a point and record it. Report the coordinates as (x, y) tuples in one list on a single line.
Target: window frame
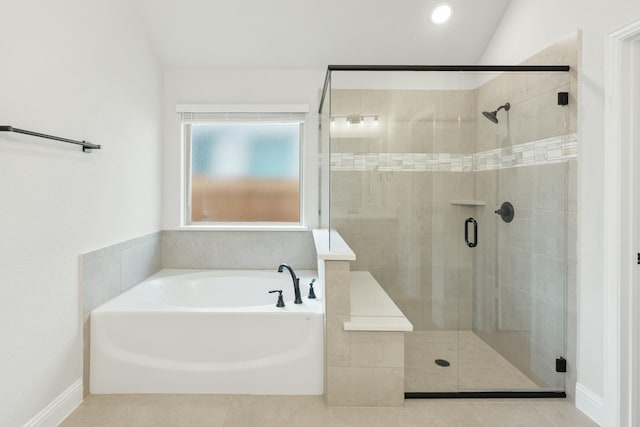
[(239, 111)]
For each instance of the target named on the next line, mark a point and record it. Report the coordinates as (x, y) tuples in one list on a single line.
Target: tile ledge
[(330, 246), (378, 323), (371, 308)]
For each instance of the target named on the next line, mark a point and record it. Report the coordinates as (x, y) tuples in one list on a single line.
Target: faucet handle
[(280, 302), (312, 294)]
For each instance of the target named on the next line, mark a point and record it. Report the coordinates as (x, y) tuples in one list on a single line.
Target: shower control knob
[(506, 212)]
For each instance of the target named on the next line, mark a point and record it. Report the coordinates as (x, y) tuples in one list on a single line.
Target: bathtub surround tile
[(109, 271), (117, 248), (365, 386), (100, 282), (139, 262), (106, 273), (238, 249), (86, 346)]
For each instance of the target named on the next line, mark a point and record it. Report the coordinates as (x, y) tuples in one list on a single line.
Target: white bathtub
[(213, 331)]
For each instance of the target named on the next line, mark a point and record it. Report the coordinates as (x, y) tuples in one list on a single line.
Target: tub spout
[(296, 282)]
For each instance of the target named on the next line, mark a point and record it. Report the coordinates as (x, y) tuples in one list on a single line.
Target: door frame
[(622, 205)]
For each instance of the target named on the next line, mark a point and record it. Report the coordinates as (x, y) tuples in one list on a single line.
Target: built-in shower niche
[(404, 182)]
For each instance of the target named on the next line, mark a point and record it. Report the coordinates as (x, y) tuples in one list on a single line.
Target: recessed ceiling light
[(441, 13)]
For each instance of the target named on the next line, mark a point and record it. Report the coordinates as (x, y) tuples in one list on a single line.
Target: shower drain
[(442, 362)]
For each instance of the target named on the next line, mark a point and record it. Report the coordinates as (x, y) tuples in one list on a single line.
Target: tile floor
[(474, 364), (311, 411)]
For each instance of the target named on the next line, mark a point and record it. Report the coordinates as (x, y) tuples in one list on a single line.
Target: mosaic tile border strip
[(401, 162), (541, 152), (544, 151)]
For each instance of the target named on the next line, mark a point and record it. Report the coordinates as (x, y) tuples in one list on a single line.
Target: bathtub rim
[(119, 302)]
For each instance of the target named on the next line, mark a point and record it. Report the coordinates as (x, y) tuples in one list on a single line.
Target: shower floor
[(474, 365)]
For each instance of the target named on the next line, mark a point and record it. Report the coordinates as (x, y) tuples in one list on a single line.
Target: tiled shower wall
[(391, 194), (391, 188), (525, 292)]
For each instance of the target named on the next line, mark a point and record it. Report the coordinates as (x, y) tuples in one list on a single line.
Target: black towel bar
[(86, 146)]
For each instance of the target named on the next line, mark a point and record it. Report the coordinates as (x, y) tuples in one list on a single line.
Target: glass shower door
[(523, 166), (436, 347), (413, 170), (401, 181)]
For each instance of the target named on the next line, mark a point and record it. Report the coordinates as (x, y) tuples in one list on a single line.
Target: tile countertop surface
[(331, 247)]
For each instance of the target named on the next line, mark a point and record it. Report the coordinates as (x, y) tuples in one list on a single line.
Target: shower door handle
[(475, 232)]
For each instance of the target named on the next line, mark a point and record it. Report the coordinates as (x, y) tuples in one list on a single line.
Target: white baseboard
[(56, 411), (590, 403)]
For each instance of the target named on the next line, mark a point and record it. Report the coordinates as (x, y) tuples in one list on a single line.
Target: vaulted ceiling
[(315, 33)]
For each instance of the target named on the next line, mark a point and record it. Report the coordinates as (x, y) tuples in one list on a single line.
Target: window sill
[(240, 227)]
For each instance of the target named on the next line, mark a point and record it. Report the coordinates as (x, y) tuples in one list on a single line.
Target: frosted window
[(246, 172)]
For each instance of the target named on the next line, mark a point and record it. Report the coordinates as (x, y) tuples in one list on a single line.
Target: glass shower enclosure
[(453, 186)]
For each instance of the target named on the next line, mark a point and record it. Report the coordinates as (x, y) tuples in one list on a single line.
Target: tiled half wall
[(107, 272)]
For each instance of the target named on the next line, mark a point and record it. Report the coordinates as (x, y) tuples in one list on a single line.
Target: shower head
[(493, 116)]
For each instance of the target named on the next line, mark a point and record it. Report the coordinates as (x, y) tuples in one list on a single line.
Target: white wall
[(82, 70), (237, 86), (526, 28), (408, 80)]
